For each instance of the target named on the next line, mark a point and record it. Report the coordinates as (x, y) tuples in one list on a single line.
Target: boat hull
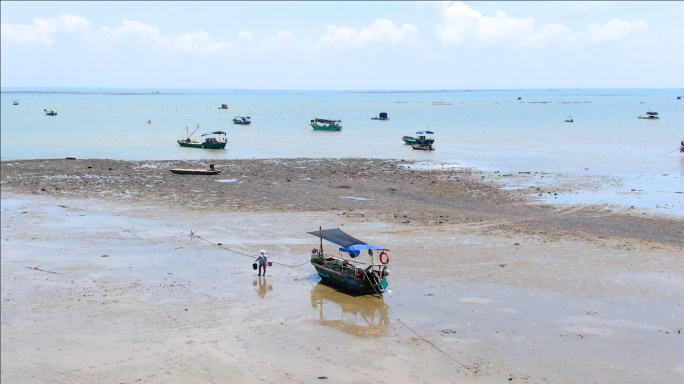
[(424, 147), (349, 282), (648, 118), (240, 122), (409, 140), (202, 145), (328, 128), (195, 171)]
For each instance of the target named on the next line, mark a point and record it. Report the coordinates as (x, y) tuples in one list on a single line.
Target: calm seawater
[(489, 129)]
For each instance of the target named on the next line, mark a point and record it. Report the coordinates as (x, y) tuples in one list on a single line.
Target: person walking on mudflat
[(263, 261)]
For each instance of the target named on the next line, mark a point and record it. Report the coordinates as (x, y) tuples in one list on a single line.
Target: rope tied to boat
[(194, 235)]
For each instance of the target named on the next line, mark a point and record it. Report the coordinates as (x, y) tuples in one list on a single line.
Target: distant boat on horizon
[(383, 116), (649, 116)]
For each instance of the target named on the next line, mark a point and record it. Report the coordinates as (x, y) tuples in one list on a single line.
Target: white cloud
[(614, 30), (382, 30), (42, 31), (198, 42), (245, 35), (192, 43), (132, 28), (461, 24)]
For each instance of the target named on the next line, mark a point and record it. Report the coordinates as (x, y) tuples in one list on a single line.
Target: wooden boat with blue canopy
[(352, 274)]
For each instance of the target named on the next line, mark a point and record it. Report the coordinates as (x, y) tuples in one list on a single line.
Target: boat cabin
[(326, 122), (425, 136), (214, 137)]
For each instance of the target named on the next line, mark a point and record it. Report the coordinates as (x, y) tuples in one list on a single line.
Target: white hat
[(263, 252)]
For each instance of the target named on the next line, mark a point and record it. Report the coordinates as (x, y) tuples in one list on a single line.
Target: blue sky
[(343, 45)]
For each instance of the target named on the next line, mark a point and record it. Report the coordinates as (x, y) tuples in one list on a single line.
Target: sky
[(342, 45)]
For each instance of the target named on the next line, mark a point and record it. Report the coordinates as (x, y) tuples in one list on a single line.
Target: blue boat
[(351, 274)]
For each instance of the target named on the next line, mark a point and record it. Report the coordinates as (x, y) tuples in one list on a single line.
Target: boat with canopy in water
[(352, 274), (242, 120), (424, 140), (649, 116), (210, 140), (326, 125)]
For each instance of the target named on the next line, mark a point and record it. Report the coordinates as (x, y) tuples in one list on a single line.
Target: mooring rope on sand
[(467, 368), (193, 234)]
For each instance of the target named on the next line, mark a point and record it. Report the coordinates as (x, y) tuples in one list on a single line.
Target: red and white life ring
[(386, 254)]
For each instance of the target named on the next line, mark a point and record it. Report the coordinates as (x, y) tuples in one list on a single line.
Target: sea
[(628, 162)]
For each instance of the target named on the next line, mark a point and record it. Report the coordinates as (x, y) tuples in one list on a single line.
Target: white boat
[(649, 116), (15, 102), (569, 119), (50, 112)]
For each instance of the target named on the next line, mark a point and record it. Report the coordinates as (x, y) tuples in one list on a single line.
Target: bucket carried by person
[(270, 264)]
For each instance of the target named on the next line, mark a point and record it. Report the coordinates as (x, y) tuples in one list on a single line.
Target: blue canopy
[(354, 250), (348, 244), (425, 132), (214, 133)]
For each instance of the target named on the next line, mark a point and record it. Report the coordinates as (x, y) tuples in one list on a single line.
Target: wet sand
[(513, 290)]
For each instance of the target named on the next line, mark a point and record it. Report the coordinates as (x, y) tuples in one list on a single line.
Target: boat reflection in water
[(363, 316), (261, 287)]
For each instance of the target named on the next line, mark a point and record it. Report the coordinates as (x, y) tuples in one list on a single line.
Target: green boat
[(242, 120), (210, 140), (359, 277), (326, 125), (423, 138)]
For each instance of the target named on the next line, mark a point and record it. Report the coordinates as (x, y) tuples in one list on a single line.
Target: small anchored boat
[(326, 125), (364, 278), (424, 140), (383, 116), (681, 149), (15, 102), (569, 119), (242, 120), (223, 106), (50, 112), (649, 116), (210, 140)]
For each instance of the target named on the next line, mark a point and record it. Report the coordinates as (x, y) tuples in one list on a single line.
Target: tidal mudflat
[(101, 281)]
